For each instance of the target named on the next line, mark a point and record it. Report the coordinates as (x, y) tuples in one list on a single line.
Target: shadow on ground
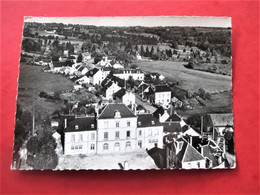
[(159, 157)]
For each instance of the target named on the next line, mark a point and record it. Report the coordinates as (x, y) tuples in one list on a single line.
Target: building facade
[(116, 129)]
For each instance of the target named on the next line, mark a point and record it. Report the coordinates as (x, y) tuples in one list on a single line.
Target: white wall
[(85, 143), (194, 164), (111, 90), (163, 98), (109, 126), (97, 78), (150, 135), (128, 99), (135, 76)]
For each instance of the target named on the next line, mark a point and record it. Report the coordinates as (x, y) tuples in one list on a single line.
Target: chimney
[(201, 125), (65, 123), (171, 111)]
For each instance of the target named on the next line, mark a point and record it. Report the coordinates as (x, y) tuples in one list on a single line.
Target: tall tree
[(142, 50)]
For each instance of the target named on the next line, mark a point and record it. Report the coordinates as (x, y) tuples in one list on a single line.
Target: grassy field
[(188, 79), (32, 80), (219, 86)]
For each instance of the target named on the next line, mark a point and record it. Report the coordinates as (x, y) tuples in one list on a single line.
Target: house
[(46, 62), (110, 89), (213, 154), (162, 95), (117, 66), (105, 62), (125, 74), (77, 87), (215, 125), (96, 76), (82, 70), (115, 128), (157, 76), (149, 131), (63, 58), (86, 57), (138, 56), (124, 96), (80, 137), (142, 88), (73, 59), (158, 94), (181, 154), (83, 80), (57, 66)]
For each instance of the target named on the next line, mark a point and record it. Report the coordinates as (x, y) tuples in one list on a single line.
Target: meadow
[(32, 80), (188, 79)]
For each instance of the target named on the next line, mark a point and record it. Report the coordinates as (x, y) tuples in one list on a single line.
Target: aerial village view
[(131, 97)]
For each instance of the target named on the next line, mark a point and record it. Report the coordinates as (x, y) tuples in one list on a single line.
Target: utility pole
[(33, 119)]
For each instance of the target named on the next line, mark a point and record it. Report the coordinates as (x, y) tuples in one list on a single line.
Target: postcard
[(125, 93)]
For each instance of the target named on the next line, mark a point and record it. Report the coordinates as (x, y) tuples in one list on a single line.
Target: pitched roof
[(188, 153), (172, 127), (209, 150), (161, 88), (59, 64), (174, 118), (222, 119), (82, 124), (160, 110), (147, 120), (143, 87), (191, 154), (149, 92), (110, 109), (92, 72), (120, 93), (121, 82), (46, 60)]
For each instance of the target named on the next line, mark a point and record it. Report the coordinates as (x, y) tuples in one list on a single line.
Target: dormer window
[(117, 114), (152, 122), (139, 122), (76, 127), (92, 126)]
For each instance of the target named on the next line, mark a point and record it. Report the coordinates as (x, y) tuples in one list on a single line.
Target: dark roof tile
[(110, 109)]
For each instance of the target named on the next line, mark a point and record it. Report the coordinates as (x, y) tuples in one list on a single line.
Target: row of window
[(106, 124), (80, 137), (162, 100), (117, 145), (79, 147), (117, 135), (162, 95)]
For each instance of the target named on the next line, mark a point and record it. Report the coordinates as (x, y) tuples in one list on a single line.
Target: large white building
[(115, 129), (125, 74), (124, 96)]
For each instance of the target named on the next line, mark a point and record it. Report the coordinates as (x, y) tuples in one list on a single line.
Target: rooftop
[(222, 119), (147, 120), (110, 109), (82, 124), (162, 88)]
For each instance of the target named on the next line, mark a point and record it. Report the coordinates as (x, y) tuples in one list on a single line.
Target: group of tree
[(23, 127), (41, 150), (30, 45)]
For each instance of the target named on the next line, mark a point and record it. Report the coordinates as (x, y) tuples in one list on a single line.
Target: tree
[(152, 52), (80, 58), (142, 50), (41, 150), (147, 52)]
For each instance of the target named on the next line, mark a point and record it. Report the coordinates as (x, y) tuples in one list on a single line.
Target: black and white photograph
[(124, 93)]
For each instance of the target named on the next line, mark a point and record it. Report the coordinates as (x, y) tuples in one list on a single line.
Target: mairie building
[(115, 129)]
